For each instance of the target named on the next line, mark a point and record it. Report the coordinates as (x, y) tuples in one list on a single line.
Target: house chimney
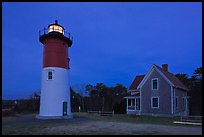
[(165, 67)]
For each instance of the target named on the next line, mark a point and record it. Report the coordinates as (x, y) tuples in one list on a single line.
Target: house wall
[(164, 94), (180, 94)]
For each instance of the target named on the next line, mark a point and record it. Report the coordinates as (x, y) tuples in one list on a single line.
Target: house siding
[(164, 94), (180, 108)]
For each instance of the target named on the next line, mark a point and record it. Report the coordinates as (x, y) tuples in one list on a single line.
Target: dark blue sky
[(113, 42)]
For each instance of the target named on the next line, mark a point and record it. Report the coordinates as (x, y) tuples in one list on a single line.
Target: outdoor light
[(55, 27)]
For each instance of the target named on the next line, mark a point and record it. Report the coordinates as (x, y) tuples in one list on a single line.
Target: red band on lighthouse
[(55, 54)]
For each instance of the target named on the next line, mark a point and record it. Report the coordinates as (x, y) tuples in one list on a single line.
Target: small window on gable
[(49, 75), (155, 84)]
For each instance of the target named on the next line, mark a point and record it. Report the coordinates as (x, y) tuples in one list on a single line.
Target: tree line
[(104, 98), (194, 84), (101, 98)]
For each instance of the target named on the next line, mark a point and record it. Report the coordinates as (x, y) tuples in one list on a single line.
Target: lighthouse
[(55, 89)]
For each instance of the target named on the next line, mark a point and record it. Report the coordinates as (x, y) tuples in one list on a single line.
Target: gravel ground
[(119, 128), (27, 124)]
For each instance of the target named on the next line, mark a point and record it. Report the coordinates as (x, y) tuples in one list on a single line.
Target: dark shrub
[(8, 112)]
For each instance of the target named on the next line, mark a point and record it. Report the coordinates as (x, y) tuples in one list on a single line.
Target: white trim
[(131, 97), (190, 123), (131, 104), (130, 90), (126, 105), (50, 75), (172, 99), (150, 71), (136, 104), (148, 74), (152, 101), (157, 83), (47, 71), (164, 76), (182, 88), (134, 92), (146, 77), (140, 100), (169, 80)]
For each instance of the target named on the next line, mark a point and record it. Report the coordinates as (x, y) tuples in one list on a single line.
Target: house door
[(64, 108)]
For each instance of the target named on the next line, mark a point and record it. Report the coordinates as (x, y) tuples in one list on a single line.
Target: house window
[(131, 104), (155, 84), (49, 75), (176, 103), (183, 102), (155, 102)]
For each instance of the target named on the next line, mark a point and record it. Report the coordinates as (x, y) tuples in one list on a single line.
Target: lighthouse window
[(50, 75), (56, 28)]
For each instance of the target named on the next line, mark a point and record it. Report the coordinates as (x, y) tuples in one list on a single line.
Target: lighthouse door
[(64, 108)]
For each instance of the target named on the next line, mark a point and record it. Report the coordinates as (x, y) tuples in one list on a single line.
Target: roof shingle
[(136, 82)]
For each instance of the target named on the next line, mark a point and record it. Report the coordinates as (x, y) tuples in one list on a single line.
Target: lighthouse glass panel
[(56, 28), (49, 75)]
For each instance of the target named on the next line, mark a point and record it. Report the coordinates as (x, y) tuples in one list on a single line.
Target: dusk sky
[(113, 41)]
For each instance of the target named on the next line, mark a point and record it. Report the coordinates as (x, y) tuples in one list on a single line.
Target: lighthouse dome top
[(56, 27), (55, 31)]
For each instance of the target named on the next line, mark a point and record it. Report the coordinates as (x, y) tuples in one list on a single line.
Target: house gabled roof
[(176, 82), (169, 77), (136, 82)]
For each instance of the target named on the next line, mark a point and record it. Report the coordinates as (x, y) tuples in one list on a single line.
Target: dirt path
[(27, 124)]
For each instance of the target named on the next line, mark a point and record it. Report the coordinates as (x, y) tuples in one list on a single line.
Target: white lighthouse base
[(54, 117), (55, 94)]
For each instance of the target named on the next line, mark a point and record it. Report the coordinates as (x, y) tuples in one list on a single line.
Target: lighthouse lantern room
[(55, 88)]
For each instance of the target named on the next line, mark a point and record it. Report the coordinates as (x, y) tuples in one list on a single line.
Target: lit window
[(49, 75), (155, 102), (56, 28)]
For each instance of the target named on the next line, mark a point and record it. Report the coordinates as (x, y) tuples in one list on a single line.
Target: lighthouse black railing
[(64, 33)]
